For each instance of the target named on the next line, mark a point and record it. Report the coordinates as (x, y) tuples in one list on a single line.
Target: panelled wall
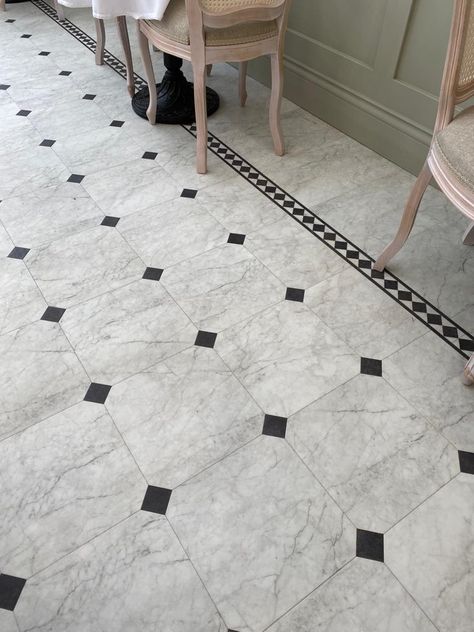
[(372, 68)]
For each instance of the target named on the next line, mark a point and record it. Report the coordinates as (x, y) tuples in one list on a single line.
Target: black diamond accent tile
[(450, 332), (156, 499), (370, 545), (369, 366), (205, 339), (10, 21), (150, 155), (189, 193), (110, 221), (18, 253), (10, 591), (403, 295), (274, 426), (89, 97), (236, 238), (53, 314), (419, 307), (117, 123), (47, 142), (26, 35), (152, 274), (466, 462), (389, 284), (75, 177), (64, 73), (44, 53), (4, 86), (23, 113), (294, 294), (466, 345), (376, 274), (97, 393), (434, 319)]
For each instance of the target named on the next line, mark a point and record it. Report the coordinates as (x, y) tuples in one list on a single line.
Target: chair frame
[(202, 57)]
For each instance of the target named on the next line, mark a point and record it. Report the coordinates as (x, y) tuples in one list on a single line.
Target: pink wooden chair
[(451, 156), (210, 31)]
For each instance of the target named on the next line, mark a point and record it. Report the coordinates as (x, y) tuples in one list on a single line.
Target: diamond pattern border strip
[(424, 311)]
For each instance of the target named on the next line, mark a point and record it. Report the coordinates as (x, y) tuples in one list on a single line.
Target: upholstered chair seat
[(454, 147)]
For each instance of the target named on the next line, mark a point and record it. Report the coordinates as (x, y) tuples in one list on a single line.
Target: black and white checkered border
[(452, 333)]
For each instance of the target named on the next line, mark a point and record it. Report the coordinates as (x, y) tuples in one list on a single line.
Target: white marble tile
[(286, 357), (81, 266), (8, 621), (375, 455), (183, 415), (125, 331), (223, 286), (40, 376), (295, 256), (428, 373), (134, 576), (49, 213), (60, 493), (431, 552), (130, 187), (238, 206), (6, 244), (173, 231), (261, 532), (20, 300), (369, 321), (362, 597)]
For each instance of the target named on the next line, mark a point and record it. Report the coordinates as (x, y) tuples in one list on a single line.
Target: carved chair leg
[(469, 372), (468, 238), (100, 46), (123, 32), (200, 107), (275, 103), (59, 10), (408, 218), (150, 75), (243, 82), (2, 5)]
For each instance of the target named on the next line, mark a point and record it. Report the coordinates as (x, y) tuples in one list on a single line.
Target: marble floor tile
[(20, 298), (392, 458), (58, 494), (82, 266), (238, 206), (286, 357), (368, 320), (135, 574), (183, 415), (173, 231), (261, 532), (130, 187), (431, 553), (49, 213), (6, 244), (427, 373), (362, 597), (293, 254), (222, 287), (8, 621), (125, 331), (40, 376)]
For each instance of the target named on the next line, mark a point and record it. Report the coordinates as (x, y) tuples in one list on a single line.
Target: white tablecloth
[(147, 9)]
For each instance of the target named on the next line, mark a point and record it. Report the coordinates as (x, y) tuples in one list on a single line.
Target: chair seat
[(174, 26), (454, 146)]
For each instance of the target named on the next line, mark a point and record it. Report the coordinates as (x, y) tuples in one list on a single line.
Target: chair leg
[(2, 5), (408, 219), (209, 69), (200, 107), (123, 32), (275, 103), (150, 75), (100, 46), (468, 238), (243, 82), (59, 10), (469, 372)]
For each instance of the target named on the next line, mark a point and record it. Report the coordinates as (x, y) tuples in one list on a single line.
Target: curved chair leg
[(123, 32), (2, 5), (468, 238), (408, 218), (209, 69), (275, 103), (469, 372), (150, 75), (200, 107), (100, 46), (59, 10), (243, 82)]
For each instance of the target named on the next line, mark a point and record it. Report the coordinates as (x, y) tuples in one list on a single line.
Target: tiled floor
[(213, 415)]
